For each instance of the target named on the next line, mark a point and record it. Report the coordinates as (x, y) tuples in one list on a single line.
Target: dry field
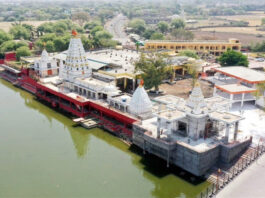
[(182, 88), (210, 22), (254, 18), (245, 39), (6, 25), (243, 30)]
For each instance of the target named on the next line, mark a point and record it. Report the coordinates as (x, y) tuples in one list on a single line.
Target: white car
[(260, 59)]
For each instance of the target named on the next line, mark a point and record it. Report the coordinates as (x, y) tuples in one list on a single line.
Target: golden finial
[(74, 33), (141, 83)]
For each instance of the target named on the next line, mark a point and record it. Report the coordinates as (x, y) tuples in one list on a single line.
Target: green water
[(42, 155)]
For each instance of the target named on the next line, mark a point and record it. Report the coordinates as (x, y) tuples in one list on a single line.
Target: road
[(250, 183), (116, 27)]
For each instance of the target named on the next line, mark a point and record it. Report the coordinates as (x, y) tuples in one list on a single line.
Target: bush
[(157, 36), (22, 51), (189, 53)]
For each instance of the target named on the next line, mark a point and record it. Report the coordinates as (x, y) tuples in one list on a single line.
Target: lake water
[(43, 155)]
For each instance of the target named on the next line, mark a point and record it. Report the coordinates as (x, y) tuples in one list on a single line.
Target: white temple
[(140, 103), (76, 65), (77, 74), (45, 66)]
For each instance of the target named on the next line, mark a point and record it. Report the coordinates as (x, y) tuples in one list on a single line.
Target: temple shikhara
[(194, 134)]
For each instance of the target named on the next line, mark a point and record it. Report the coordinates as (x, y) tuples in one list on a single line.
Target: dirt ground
[(246, 39), (182, 88)]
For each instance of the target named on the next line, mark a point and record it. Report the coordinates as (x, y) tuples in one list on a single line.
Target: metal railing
[(224, 177)]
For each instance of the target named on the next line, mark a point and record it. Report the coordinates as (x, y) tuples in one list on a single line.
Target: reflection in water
[(80, 140), (165, 183), (80, 137), (172, 182)]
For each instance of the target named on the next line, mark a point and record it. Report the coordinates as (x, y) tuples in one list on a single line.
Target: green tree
[(8, 46), (103, 39), (90, 25), (19, 32), (263, 21), (153, 68), (148, 33), (45, 27), (105, 14), (59, 44), (138, 26), (189, 53), (87, 43), (28, 27), (163, 26), (96, 29), (80, 17), (177, 23), (22, 51), (4, 37), (157, 36), (259, 47), (103, 35), (21, 44), (50, 46), (233, 58), (181, 34)]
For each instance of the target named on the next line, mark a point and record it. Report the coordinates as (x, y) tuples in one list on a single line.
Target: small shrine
[(46, 66)]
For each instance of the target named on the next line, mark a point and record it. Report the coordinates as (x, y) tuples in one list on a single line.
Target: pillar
[(173, 75), (236, 130), (169, 127), (242, 100), (125, 83), (133, 84), (214, 91), (227, 133), (231, 99), (158, 127)]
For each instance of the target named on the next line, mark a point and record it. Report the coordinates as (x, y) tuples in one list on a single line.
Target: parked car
[(260, 59)]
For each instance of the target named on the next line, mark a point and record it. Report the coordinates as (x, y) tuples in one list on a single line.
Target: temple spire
[(76, 64), (196, 99)]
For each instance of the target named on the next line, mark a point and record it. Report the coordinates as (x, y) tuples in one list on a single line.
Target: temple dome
[(140, 102)]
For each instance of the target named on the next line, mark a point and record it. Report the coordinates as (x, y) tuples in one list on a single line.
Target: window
[(49, 66)]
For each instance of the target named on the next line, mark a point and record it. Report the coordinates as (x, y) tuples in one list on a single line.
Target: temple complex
[(194, 134)]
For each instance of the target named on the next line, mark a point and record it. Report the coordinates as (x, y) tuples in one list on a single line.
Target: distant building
[(212, 47), (238, 84)]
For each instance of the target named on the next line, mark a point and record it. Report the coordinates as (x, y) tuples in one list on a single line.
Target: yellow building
[(212, 47)]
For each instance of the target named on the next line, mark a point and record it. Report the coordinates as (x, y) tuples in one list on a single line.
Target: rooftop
[(235, 88), (243, 73), (189, 41), (226, 117), (120, 60), (172, 115)]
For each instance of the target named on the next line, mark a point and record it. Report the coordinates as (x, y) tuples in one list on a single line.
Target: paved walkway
[(250, 183)]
